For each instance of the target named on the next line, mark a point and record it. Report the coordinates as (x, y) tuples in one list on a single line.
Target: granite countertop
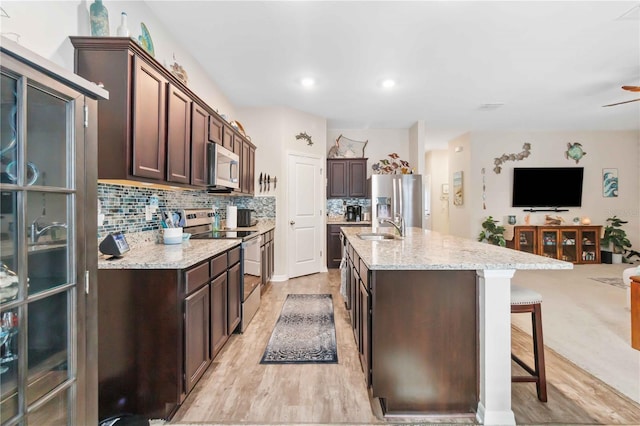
[(429, 250), (263, 225), (341, 221), (172, 256), (177, 256)]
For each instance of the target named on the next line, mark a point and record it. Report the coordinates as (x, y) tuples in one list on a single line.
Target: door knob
[(293, 222)]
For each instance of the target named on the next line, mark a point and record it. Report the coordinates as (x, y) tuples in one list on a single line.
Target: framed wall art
[(609, 183), (458, 195)]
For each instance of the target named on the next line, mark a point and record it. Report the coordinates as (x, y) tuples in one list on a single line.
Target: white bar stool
[(524, 300)]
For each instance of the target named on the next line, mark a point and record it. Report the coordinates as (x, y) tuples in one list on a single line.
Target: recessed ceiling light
[(490, 106), (307, 82), (388, 83)]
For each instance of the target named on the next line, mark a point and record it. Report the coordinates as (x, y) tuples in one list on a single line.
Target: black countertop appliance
[(353, 214), (245, 218)]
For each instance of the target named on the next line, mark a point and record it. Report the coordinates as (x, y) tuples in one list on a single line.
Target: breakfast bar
[(434, 321)]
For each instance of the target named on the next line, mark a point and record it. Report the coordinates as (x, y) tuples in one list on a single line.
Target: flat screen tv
[(547, 187)]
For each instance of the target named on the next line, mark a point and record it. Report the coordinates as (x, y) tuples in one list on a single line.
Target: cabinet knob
[(293, 222)]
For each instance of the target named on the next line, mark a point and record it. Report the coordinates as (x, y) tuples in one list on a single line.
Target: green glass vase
[(99, 19)]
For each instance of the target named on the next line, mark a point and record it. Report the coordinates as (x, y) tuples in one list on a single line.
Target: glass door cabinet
[(47, 242)]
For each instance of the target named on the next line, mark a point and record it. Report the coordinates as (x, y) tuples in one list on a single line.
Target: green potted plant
[(615, 238), (492, 232)]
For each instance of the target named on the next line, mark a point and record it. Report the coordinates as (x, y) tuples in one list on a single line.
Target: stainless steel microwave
[(223, 168)]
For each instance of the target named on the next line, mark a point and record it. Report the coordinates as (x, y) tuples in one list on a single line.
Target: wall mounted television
[(547, 187)]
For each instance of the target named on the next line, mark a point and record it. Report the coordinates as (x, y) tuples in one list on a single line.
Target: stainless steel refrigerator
[(396, 194)]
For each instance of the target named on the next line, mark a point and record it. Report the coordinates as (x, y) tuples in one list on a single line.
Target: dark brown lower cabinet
[(196, 336), (266, 256), (334, 244), (219, 333), (158, 331), (365, 327), (234, 297)]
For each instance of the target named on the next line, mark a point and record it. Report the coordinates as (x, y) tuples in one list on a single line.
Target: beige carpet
[(587, 322)]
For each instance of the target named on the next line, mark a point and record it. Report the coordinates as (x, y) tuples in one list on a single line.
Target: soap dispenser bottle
[(215, 219)]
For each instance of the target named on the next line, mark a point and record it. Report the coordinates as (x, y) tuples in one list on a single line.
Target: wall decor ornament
[(609, 183), (123, 28), (498, 161), (145, 40), (395, 166), (458, 194), (484, 191), (304, 136), (574, 152), (347, 148), (178, 71)]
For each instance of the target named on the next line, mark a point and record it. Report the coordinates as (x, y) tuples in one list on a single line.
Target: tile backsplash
[(337, 206), (124, 206)]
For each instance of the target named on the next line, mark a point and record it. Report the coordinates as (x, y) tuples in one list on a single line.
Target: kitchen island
[(431, 314)]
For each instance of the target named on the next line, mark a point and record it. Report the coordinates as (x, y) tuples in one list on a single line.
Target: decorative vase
[(512, 220), (123, 29), (99, 19)]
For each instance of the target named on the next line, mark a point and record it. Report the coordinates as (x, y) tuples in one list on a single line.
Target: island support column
[(494, 292)]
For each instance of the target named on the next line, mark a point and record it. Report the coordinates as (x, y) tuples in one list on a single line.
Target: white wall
[(459, 223), (604, 150), (45, 26), (277, 128), (382, 142), (437, 167)]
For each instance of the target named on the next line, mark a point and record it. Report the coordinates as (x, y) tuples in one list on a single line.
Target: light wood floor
[(237, 389)]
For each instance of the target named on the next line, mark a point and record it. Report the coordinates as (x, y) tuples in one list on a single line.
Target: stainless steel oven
[(198, 223)]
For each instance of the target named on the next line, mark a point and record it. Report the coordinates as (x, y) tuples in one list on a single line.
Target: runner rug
[(304, 333), (616, 282)]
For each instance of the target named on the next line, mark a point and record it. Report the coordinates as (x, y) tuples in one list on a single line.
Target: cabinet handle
[(293, 222)]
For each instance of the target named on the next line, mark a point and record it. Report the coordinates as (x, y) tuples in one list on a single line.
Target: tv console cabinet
[(576, 244)]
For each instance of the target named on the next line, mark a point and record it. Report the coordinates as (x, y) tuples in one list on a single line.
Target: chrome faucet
[(400, 228), (37, 232)]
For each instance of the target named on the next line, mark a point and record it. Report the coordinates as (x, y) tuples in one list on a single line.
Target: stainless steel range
[(198, 224)]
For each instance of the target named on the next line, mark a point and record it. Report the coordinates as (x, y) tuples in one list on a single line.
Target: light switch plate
[(148, 213)]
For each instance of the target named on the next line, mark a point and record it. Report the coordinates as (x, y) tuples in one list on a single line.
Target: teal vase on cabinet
[(99, 19)]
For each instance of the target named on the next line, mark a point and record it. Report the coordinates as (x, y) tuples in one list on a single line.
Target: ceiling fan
[(631, 89)]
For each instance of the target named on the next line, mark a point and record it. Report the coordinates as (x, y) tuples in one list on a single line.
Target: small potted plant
[(615, 238), (492, 232)]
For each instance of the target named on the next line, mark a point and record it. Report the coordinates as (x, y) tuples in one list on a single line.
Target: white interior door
[(304, 236)]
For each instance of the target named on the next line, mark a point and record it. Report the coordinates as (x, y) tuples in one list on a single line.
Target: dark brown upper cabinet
[(200, 118), (149, 97), (228, 139), (216, 128), (178, 135), (146, 131), (347, 178)]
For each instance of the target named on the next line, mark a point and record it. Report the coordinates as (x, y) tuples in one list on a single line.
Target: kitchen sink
[(376, 236)]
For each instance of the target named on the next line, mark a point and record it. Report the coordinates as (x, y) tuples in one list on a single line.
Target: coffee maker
[(353, 214)]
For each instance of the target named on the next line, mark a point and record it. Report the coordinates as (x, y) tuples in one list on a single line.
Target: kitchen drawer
[(234, 256), (364, 274), (218, 265), (356, 262), (197, 276)]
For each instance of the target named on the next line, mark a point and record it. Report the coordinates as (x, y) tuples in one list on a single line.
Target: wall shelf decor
[(347, 148), (498, 161), (390, 167), (304, 136)]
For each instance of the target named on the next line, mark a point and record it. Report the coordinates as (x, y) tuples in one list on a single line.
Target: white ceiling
[(552, 64)]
